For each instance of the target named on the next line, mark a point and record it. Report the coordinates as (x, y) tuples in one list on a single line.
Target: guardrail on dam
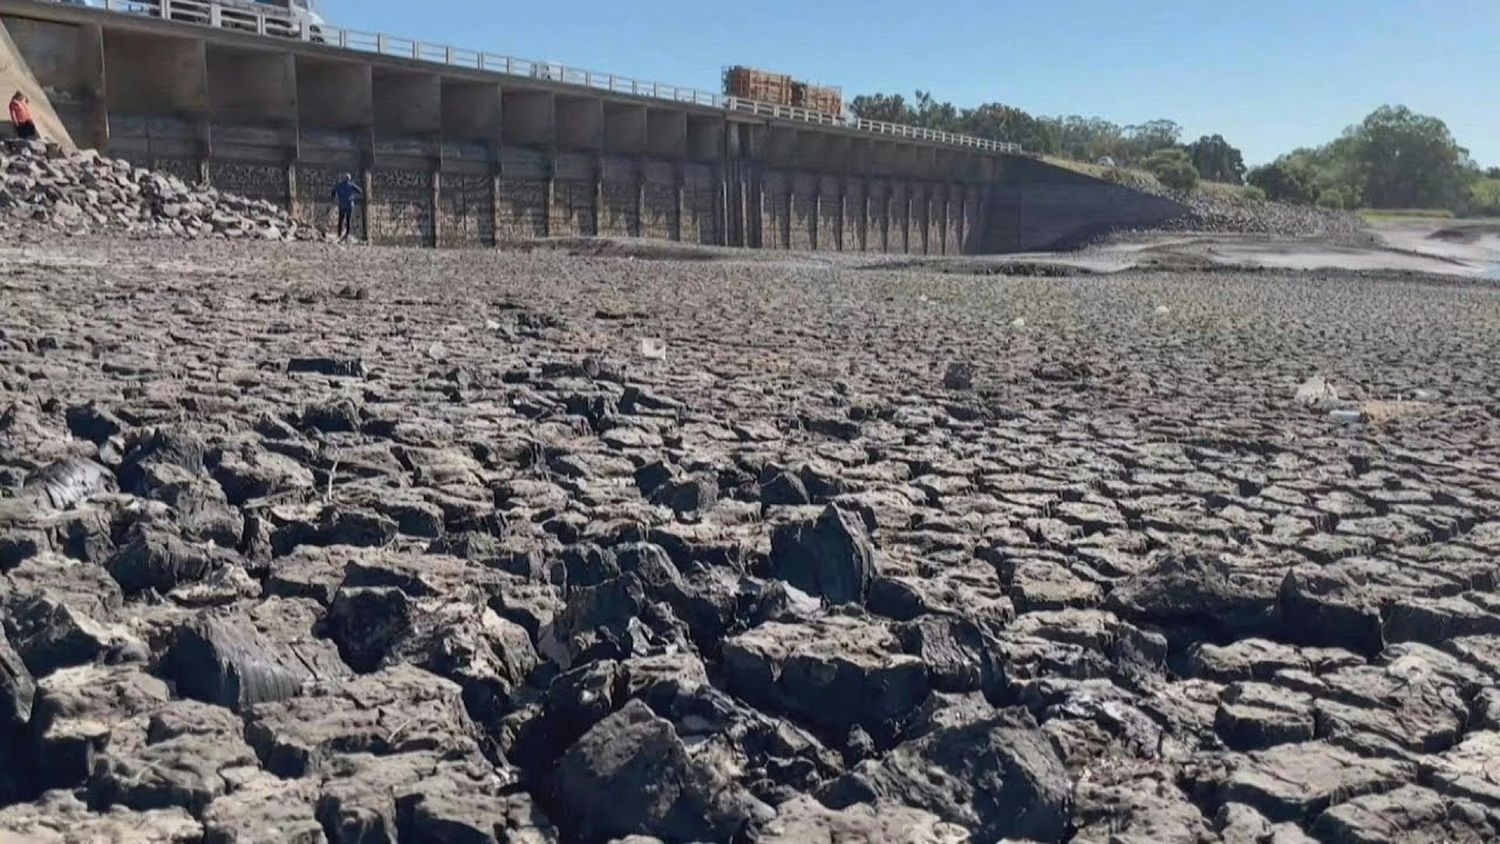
[(462, 148)]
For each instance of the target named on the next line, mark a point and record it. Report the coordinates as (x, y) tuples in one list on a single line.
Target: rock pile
[(83, 192), (1215, 210), (447, 557), (1222, 212)]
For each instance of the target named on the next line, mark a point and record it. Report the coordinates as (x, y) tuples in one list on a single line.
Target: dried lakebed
[(301, 543)]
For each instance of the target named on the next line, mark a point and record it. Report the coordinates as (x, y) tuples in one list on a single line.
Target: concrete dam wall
[(450, 156)]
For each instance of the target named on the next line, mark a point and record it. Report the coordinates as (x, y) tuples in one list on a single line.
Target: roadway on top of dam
[(198, 18)]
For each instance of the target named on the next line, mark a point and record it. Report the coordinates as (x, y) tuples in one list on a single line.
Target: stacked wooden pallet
[(759, 85), (780, 89), (817, 98)]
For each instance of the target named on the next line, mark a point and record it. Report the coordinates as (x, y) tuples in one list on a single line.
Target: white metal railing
[(272, 21)]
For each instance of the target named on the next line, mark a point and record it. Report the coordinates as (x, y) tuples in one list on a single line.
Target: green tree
[(889, 109), (1173, 168), (1217, 160), (1408, 160), (1000, 122), (1145, 140), (1484, 197), (934, 115), (1285, 181)]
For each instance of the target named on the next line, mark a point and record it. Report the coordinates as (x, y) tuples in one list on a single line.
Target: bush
[(1284, 182), (1338, 198), (1484, 198), (1173, 168), (1331, 199), (1253, 193)]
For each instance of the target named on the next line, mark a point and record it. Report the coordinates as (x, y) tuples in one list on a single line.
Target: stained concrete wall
[(68, 107), (454, 157), (1040, 207)]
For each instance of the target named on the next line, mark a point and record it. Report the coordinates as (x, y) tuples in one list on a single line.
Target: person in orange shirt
[(20, 116)]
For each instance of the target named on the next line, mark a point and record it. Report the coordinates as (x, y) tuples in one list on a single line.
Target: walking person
[(346, 192), (20, 117)]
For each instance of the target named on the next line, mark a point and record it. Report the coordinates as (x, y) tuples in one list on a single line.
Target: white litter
[(653, 349), (1317, 391)]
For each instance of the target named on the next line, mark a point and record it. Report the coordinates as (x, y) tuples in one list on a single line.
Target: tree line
[(1395, 158)]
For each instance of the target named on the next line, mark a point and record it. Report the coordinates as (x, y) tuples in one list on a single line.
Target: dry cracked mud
[(303, 544)]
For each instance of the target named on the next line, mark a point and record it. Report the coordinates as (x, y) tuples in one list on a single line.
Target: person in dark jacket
[(20, 117), (346, 192)]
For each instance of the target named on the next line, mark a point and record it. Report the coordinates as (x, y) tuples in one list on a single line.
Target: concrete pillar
[(205, 126), (817, 215), (864, 219), (366, 184), (92, 39), (551, 198), (290, 170), (906, 224), (720, 207), (943, 232), (927, 220), (495, 176), (760, 208), (963, 221), (885, 222), (791, 206), (597, 214), (435, 201), (640, 198), (742, 201), (843, 215), (680, 187)]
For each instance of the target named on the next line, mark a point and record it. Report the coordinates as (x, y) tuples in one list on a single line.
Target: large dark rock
[(177, 756), (998, 776), (154, 558), (1410, 813), (257, 473), (66, 483), (804, 820), (1201, 596), (398, 710), (77, 709), (17, 689), (260, 807), (241, 657), (784, 489), (831, 557), (60, 817), (1253, 716), (835, 673), (631, 774), (1320, 606), (156, 453), (200, 511), (93, 423), (1295, 782), (957, 657), (688, 495), (460, 639), (58, 612)]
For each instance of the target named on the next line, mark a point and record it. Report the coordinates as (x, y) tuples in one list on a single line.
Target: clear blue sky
[(1268, 74)]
